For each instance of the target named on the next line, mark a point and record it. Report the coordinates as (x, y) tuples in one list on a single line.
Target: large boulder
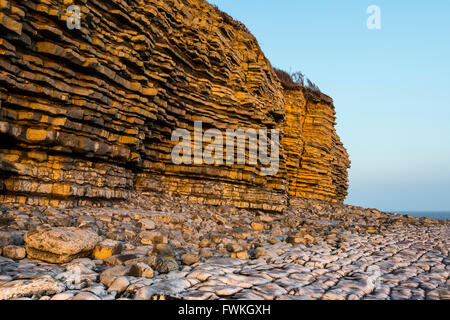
[(60, 245)]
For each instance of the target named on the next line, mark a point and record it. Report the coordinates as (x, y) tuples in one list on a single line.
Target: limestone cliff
[(317, 161), (86, 114)]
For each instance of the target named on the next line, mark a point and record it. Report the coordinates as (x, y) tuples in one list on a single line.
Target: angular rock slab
[(60, 245)]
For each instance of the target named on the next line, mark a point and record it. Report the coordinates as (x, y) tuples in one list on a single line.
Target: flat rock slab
[(30, 287), (60, 245)]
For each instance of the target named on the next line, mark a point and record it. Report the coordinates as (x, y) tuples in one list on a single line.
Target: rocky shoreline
[(156, 248)]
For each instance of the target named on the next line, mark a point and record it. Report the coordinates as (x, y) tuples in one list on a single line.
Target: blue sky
[(391, 87)]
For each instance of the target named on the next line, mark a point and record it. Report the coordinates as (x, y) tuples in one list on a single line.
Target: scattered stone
[(85, 296), (205, 253), (166, 265), (109, 275), (99, 290), (120, 284), (273, 240), (261, 252), (63, 296), (159, 291), (257, 226), (14, 252), (159, 238), (121, 259), (106, 249), (141, 270), (81, 262), (204, 243), (265, 218), (151, 261), (234, 247), (294, 240), (243, 255), (163, 250), (146, 224), (189, 259)]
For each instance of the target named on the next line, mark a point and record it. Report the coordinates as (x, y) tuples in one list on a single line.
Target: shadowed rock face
[(87, 115)]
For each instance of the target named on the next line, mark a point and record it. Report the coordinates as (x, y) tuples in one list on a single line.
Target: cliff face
[(87, 115), (317, 161)]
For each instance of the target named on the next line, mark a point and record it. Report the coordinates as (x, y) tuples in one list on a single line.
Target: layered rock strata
[(316, 160), (87, 114)]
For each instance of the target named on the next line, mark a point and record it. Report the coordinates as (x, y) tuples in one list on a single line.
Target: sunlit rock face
[(317, 161), (87, 114)]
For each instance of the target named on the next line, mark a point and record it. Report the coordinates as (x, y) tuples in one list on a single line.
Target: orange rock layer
[(316, 160), (86, 116)]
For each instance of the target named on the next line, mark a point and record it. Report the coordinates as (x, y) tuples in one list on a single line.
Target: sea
[(428, 214)]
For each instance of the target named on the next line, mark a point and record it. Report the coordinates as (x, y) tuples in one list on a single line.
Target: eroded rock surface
[(320, 251)]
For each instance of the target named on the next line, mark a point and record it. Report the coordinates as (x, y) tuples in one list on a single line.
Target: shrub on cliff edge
[(295, 80)]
